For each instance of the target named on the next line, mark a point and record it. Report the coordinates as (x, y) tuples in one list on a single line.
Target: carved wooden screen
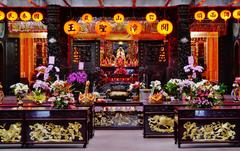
[(87, 52), (153, 57)]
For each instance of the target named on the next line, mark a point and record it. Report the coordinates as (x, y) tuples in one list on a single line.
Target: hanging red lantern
[(151, 17), (118, 18), (2, 15), (12, 15), (103, 28), (71, 27), (212, 15), (164, 27), (199, 15), (87, 18), (37, 16), (134, 28), (25, 16), (225, 14), (236, 14)]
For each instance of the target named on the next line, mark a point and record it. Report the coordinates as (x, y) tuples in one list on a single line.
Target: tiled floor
[(126, 140)]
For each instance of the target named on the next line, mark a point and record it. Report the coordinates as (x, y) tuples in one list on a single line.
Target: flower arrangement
[(155, 86), (63, 101), (187, 89), (134, 87), (207, 94), (60, 87), (77, 79), (50, 73), (37, 96), (20, 90), (236, 89), (62, 97), (193, 70), (172, 88), (40, 91), (41, 85), (157, 94)]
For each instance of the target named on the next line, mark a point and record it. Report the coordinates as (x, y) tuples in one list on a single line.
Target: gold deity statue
[(86, 97), (120, 57)]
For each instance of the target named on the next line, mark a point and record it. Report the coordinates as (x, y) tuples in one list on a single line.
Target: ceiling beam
[(101, 3), (134, 3), (167, 2), (200, 3), (33, 3), (66, 2)]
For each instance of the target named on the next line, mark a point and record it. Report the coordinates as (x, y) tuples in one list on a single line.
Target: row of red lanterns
[(213, 15), (119, 18), (104, 28), (24, 16)]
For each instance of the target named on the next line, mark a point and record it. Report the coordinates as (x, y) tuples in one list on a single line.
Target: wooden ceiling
[(119, 3)]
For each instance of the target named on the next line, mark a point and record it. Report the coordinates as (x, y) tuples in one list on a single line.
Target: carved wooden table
[(159, 119), (43, 125), (216, 125), (91, 116), (118, 115)]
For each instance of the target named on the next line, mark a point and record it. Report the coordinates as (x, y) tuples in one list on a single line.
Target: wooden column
[(57, 39), (183, 38), (226, 57)]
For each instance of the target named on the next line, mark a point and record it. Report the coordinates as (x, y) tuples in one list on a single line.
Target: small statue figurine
[(86, 97), (1, 93)]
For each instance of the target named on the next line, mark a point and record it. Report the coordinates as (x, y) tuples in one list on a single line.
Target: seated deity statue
[(120, 57)]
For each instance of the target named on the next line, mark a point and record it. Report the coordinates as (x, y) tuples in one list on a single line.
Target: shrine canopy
[(115, 3)]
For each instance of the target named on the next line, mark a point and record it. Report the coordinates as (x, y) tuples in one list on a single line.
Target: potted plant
[(77, 80), (172, 89), (40, 92), (20, 90)]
